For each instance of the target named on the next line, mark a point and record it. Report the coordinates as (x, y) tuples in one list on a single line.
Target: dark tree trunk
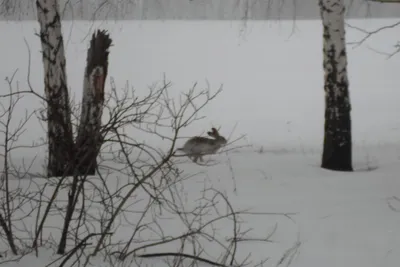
[(337, 150), (61, 146), (89, 139), (9, 235), (68, 216)]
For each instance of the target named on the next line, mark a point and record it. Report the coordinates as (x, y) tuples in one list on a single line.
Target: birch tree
[(67, 156), (59, 129), (337, 147)]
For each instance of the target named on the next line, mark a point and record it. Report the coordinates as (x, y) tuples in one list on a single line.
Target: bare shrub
[(138, 204)]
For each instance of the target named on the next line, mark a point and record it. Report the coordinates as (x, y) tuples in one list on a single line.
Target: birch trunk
[(60, 150), (337, 152), (67, 157), (89, 138)]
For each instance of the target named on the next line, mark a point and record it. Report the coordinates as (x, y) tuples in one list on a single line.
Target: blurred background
[(195, 9)]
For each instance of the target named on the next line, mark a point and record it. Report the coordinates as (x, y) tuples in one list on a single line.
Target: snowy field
[(273, 93)]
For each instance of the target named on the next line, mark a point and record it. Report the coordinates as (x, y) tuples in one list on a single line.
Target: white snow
[(268, 72)]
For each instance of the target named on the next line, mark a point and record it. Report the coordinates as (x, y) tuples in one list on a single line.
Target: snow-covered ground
[(272, 77)]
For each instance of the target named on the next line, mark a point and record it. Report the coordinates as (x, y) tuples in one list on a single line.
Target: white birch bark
[(55, 82), (334, 46), (337, 141)]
